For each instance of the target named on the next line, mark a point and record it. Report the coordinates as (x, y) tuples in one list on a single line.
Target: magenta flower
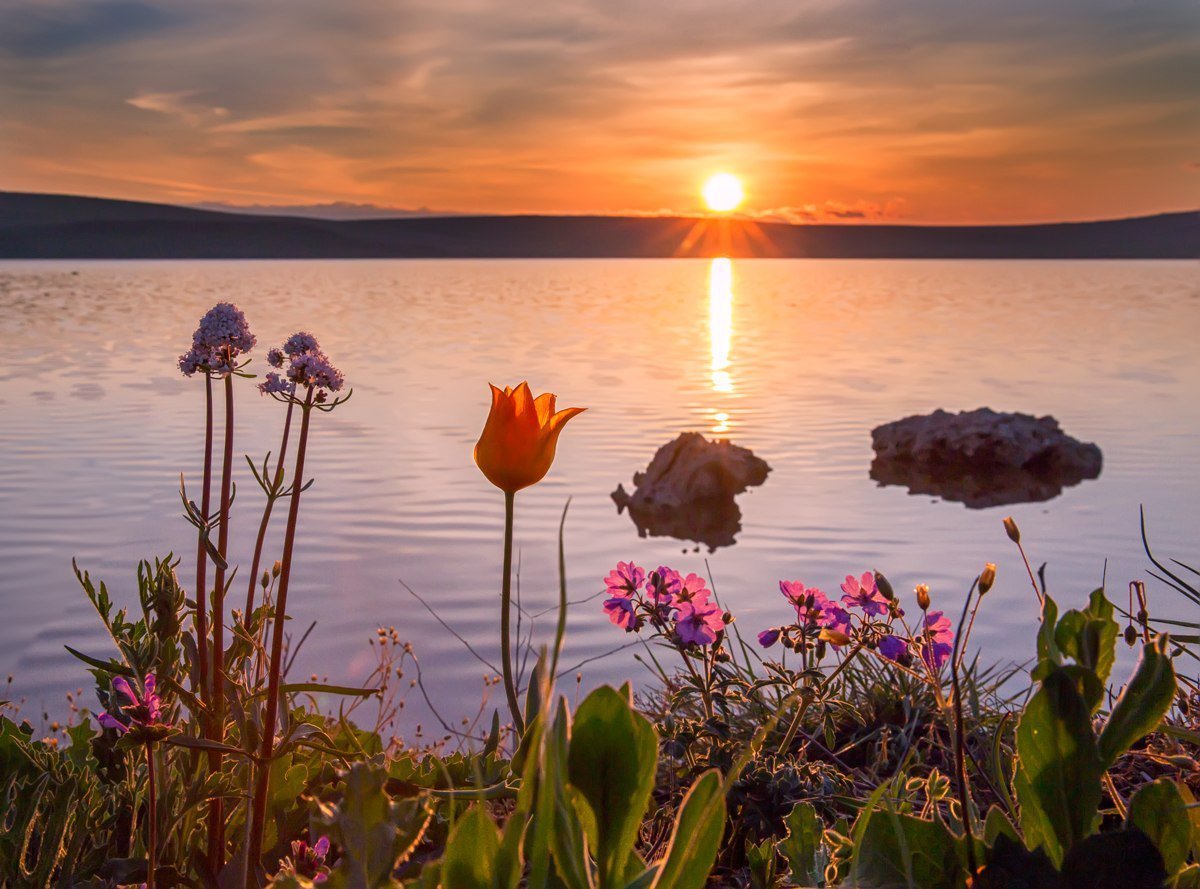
[(767, 638), (937, 639), (143, 712), (893, 647), (692, 589), (624, 580), (622, 611), (862, 593), (309, 861), (835, 618), (699, 622), (663, 584), (811, 604)]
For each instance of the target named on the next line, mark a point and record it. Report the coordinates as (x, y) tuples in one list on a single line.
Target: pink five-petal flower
[(811, 604), (699, 622), (835, 618), (663, 584), (624, 580), (692, 589), (862, 593), (937, 639), (622, 612)]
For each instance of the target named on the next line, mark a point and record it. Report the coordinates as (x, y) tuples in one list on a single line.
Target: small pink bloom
[(624, 580), (692, 589), (937, 639), (621, 611), (699, 623), (663, 584), (861, 593)]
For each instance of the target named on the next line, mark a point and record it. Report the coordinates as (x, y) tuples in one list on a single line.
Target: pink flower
[(835, 618), (692, 589), (663, 584), (622, 612), (861, 593), (624, 580), (811, 604), (699, 622), (937, 639), (142, 711)]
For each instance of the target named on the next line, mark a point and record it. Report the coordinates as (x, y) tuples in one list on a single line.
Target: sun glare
[(722, 192)]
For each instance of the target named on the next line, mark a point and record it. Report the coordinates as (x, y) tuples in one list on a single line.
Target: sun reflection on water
[(720, 321)]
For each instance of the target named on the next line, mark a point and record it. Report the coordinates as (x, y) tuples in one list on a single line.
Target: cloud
[(964, 111)]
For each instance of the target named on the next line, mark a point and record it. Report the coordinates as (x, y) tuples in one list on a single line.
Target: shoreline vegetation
[(854, 743)]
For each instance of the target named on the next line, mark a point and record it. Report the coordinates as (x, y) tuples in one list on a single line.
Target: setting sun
[(722, 192)]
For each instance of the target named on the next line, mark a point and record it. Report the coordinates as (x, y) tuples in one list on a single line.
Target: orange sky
[(923, 110)]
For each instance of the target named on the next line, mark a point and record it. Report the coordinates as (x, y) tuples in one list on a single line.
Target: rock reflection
[(687, 492)]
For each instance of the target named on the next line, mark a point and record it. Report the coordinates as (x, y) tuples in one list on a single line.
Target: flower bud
[(922, 592), (987, 577), (884, 586), (835, 637), (1130, 636), (266, 579), (276, 568), (1011, 529)]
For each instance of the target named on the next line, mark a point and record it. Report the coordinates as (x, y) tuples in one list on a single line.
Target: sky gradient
[(915, 110)]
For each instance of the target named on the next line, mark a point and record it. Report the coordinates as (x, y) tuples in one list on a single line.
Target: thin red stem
[(201, 620), (152, 827), (216, 819), (258, 813)]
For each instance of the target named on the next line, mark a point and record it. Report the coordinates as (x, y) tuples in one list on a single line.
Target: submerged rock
[(688, 490), (982, 458)]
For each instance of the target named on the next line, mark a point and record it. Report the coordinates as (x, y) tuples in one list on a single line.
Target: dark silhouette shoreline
[(38, 226)]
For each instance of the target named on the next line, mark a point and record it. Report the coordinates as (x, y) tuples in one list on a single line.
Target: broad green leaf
[(899, 851), (803, 843), (1193, 813), (1047, 649), (696, 837), (1060, 766), (556, 811), (1158, 811), (996, 824), (611, 762), (760, 859), (1142, 704), (470, 858)]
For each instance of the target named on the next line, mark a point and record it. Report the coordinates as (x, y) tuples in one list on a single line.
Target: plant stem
[(262, 770), (201, 620), (808, 699), (266, 519), (152, 827), (216, 819), (1029, 570), (510, 689), (960, 745)]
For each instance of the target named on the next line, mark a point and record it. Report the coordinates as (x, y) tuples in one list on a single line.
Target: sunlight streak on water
[(720, 321)]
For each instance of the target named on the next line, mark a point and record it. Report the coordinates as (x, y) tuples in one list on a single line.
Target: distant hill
[(41, 226)]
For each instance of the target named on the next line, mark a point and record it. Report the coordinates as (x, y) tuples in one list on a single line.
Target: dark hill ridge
[(36, 226)]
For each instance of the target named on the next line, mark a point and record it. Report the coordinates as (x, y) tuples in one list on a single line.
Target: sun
[(722, 192)]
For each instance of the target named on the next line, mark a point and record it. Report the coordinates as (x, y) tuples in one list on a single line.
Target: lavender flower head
[(303, 364), (273, 384), (223, 334)]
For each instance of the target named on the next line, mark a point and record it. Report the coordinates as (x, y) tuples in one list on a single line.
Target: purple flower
[(275, 357), (622, 611), (222, 335), (699, 622), (893, 647), (315, 369), (692, 589), (767, 638), (663, 584), (937, 639), (624, 580), (142, 711), (811, 604), (300, 343), (308, 861), (273, 383), (861, 593)]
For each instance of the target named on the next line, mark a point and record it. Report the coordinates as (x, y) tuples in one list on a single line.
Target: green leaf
[(761, 861), (1122, 858), (611, 762), (470, 858), (803, 843), (556, 810), (899, 851), (1059, 766), (996, 824), (696, 837), (1158, 811), (1142, 704), (1193, 813), (1047, 649)]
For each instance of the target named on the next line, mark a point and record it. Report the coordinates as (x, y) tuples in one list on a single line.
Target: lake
[(797, 360)]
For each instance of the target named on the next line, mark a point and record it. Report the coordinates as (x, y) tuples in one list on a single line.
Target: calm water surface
[(797, 360)]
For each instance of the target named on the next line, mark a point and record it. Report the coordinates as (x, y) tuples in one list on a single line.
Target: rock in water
[(982, 457), (688, 490)]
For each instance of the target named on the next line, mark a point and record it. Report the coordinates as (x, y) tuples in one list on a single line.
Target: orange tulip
[(517, 445)]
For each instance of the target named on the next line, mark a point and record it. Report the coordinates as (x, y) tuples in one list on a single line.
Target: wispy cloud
[(927, 109)]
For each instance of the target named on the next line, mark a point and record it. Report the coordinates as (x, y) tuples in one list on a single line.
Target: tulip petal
[(560, 419), (545, 408)]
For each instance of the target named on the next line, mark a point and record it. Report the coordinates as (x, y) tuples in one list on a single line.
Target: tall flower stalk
[(274, 490), (221, 337), (515, 450), (310, 371)]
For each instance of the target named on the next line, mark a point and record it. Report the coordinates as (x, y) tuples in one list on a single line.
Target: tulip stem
[(510, 688)]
